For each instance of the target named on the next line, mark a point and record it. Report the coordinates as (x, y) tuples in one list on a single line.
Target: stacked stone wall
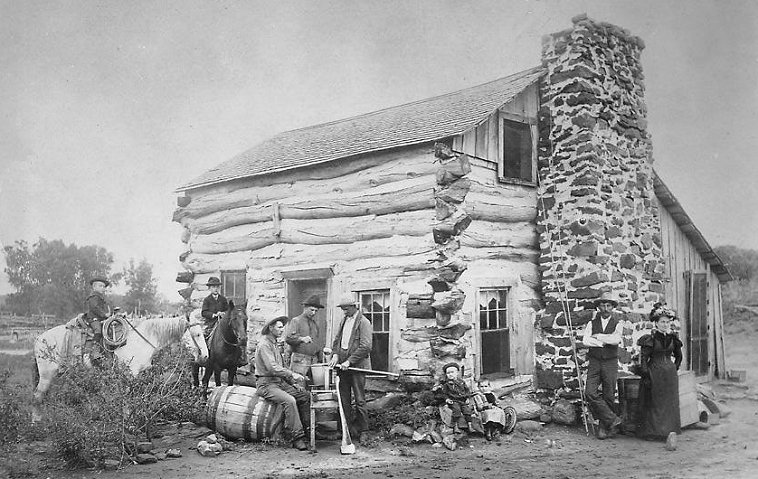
[(598, 220)]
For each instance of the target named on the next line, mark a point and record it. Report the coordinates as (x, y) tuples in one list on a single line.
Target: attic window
[(517, 161)]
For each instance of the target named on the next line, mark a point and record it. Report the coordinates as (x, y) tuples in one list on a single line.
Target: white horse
[(195, 343), (54, 348)]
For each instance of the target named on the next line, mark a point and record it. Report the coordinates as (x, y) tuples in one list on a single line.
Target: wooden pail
[(237, 412), (629, 399)]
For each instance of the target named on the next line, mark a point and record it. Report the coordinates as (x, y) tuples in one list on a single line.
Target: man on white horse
[(98, 311)]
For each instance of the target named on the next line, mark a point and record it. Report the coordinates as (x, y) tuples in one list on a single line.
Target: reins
[(140, 334)]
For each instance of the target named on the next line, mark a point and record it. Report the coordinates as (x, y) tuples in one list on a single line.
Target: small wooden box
[(688, 410)]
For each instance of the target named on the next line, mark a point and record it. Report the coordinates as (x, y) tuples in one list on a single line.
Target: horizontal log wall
[(370, 222), (356, 175)]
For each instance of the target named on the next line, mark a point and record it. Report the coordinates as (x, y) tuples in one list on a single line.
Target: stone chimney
[(598, 220)]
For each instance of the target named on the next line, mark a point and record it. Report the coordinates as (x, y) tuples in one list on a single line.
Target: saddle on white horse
[(79, 332)]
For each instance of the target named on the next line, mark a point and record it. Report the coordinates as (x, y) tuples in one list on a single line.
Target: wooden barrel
[(238, 412)]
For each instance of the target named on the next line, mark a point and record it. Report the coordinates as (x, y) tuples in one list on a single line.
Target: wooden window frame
[(478, 366), (388, 331), (532, 122), (225, 274)]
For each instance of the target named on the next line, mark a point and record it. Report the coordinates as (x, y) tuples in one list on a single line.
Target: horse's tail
[(35, 371)]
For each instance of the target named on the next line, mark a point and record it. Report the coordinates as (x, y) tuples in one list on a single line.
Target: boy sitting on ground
[(456, 394)]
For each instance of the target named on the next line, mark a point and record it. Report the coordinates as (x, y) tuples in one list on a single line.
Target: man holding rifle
[(352, 349)]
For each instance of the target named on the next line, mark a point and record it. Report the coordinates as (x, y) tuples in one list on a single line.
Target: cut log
[(420, 306), (186, 293), (455, 192), (438, 284), (442, 209), (454, 330), (446, 348), (484, 234), (500, 208), (419, 335), (396, 197), (183, 201), (453, 169), (184, 276), (449, 301), (284, 255), (315, 232), (359, 174)]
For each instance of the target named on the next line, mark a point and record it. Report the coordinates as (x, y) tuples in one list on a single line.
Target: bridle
[(237, 341), (192, 336)]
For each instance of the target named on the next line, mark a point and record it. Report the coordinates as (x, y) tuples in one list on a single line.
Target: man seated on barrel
[(279, 384)]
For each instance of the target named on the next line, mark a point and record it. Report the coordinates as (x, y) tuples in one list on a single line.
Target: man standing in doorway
[(603, 336), (306, 336), (352, 348)]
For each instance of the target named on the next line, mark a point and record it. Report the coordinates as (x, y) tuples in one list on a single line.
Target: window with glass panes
[(517, 154), (375, 305), (494, 332), (233, 286)]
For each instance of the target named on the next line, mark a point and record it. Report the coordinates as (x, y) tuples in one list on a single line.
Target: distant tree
[(51, 277), (742, 263), (141, 295)]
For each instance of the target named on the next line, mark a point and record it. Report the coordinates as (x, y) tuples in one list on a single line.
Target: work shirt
[(269, 363), (301, 326), (347, 326), (601, 339), (97, 307)]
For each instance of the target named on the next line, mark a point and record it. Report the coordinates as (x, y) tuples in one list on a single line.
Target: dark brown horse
[(226, 344)]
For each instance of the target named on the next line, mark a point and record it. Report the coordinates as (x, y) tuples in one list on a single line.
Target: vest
[(608, 351)]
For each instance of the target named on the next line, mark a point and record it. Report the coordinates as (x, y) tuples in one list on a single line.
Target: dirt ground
[(728, 449)]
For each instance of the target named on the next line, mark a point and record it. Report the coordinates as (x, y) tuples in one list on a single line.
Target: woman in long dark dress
[(659, 388)]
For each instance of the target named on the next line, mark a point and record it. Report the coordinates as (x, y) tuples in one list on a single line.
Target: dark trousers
[(353, 388), (602, 373), (460, 408), (296, 403)]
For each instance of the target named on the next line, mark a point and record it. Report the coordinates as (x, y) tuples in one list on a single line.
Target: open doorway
[(298, 290)]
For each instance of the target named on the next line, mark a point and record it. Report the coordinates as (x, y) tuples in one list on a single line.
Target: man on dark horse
[(98, 311), (214, 307)]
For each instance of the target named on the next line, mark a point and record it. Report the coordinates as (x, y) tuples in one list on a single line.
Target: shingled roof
[(418, 122)]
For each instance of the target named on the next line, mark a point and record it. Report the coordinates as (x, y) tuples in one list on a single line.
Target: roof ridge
[(399, 125), (415, 102)]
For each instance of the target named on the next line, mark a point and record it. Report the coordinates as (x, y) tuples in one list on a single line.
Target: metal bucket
[(321, 375)]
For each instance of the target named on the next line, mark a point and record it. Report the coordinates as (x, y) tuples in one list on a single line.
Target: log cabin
[(475, 226)]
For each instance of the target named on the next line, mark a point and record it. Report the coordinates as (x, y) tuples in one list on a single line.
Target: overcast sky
[(106, 107)]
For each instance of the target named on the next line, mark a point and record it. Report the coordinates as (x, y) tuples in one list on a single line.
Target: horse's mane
[(163, 329)]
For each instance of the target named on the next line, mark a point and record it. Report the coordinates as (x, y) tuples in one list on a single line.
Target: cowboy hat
[(101, 279), (313, 300), (270, 322), (347, 299), (606, 297), (213, 281)]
